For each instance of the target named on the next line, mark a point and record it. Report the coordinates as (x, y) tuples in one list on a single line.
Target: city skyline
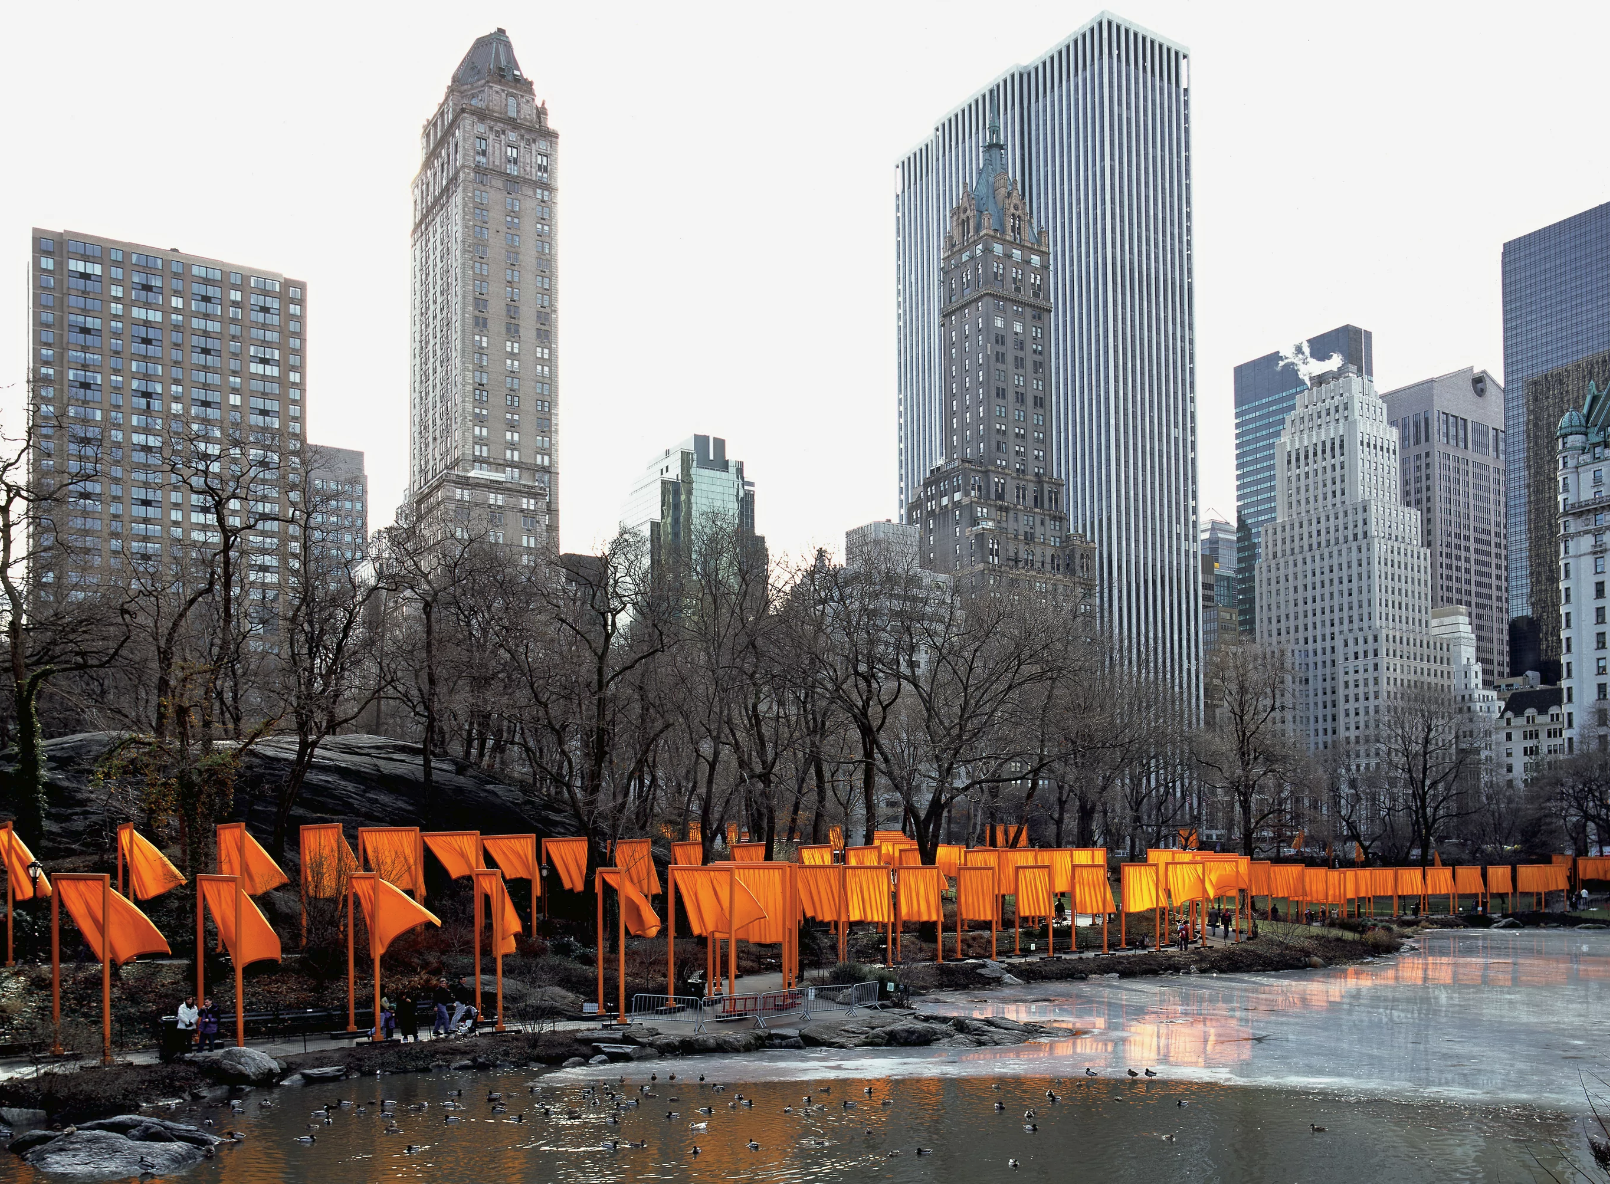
[(621, 407)]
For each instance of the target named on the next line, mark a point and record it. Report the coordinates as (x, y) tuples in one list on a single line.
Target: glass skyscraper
[(1556, 311), (1098, 131), (1265, 393)]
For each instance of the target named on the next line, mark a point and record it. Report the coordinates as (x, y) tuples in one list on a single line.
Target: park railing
[(762, 1007)]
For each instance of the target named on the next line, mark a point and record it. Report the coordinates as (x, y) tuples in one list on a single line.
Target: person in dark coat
[(207, 1024), (408, 1017), (442, 997)]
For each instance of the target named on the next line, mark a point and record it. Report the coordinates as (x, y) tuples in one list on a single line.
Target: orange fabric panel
[(1286, 880), (1560, 860), (1009, 859), (128, 931), (327, 861), (1184, 881), (1439, 881), (1316, 885), (1408, 881), (816, 855), (1090, 855), (835, 837), (1092, 891), (18, 857), (911, 857), (636, 857), (150, 872), (1139, 884), (497, 898), (458, 850), (948, 857), (262, 873), (1060, 860), (1542, 877), (749, 852), (1378, 881), (703, 893), (919, 894), (1032, 888), (868, 892), (732, 835), (516, 856), (768, 884), (1259, 878), (821, 892), (879, 836), (1223, 874), (1167, 855), (569, 856), (975, 893), (388, 911), (982, 857), (689, 854), (1593, 867), (863, 856), (1498, 878), (394, 852), (1467, 880), (258, 941)]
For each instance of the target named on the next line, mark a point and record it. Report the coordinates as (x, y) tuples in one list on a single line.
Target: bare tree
[(1245, 748), (1426, 766)]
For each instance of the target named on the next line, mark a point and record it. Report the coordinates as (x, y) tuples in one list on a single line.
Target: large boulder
[(238, 1066), (114, 1148)]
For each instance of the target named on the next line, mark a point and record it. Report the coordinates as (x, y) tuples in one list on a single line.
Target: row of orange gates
[(748, 898)]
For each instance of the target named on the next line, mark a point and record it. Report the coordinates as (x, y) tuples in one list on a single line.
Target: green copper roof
[(492, 56)]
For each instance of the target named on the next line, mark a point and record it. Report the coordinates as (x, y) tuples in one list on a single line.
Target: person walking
[(442, 997), (388, 1019), (207, 1024), (408, 1017), (188, 1015)]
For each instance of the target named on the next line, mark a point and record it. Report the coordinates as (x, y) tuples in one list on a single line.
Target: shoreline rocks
[(123, 1146)]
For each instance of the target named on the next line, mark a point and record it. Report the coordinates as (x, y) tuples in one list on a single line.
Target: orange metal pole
[(670, 933), (476, 886), (352, 970), (235, 955), (620, 951), (374, 956), (732, 934), (55, 970), (201, 947), (106, 970), (11, 835), (497, 944), (598, 890), (120, 829)]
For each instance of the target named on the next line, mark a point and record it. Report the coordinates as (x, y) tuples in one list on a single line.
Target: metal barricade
[(680, 1008), (844, 997)]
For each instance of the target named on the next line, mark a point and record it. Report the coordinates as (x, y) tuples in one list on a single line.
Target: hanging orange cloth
[(1259, 878), (863, 856), (1009, 860), (1316, 884), (689, 854), (327, 860), (1184, 882), (395, 852), (1541, 877), (261, 872), (639, 915), (1061, 862), (458, 850), (636, 857), (1092, 891), (1139, 884), (1439, 881), (1592, 867), (1408, 881), (975, 893), (150, 872), (1089, 855), (703, 893), (919, 894), (1297, 843), (749, 853), (696, 834), (816, 855), (18, 857), (1383, 881), (388, 911), (259, 942), (130, 931), (868, 890), (1499, 880), (497, 898), (1467, 880), (910, 857), (516, 857), (1223, 874), (821, 892), (1286, 880), (569, 856), (1358, 853), (948, 857), (768, 885), (732, 835), (835, 837), (1032, 889), (1436, 857), (879, 836)]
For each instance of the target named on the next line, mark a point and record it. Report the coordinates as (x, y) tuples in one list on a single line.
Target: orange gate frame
[(1017, 911), (977, 871), (106, 961), (418, 867)]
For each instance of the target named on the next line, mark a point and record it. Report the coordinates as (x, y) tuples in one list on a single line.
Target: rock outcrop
[(117, 1148), (237, 1066)]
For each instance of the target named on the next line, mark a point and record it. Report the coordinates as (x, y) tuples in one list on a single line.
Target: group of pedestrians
[(201, 1021), (452, 1013)]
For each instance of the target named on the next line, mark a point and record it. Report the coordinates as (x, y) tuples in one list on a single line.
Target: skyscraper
[(1265, 392), (150, 365), (1451, 469), (1556, 311), (1344, 585), (1219, 618), (686, 491), (1098, 135), (485, 295)]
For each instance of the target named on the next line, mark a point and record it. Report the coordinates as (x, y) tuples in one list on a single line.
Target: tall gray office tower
[(1098, 133), (1266, 391), (485, 291), (1556, 312)]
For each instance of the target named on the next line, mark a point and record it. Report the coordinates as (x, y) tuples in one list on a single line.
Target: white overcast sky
[(726, 224)]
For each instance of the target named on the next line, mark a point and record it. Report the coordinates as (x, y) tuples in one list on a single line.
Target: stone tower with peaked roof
[(992, 511), (484, 391)]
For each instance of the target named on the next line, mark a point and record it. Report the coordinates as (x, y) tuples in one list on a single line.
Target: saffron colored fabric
[(1499, 880), (395, 852), (505, 917), (821, 892), (948, 857), (1439, 881), (1467, 880), (919, 894), (1090, 855), (458, 850), (18, 857), (1139, 884), (1060, 861), (689, 854), (1032, 889), (257, 941), (1008, 860), (975, 893), (1184, 882), (1542, 877), (261, 872), (868, 892), (516, 857), (1286, 880), (835, 837), (768, 884), (704, 891), (1593, 867), (863, 856), (1259, 878), (749, 853), (636, 858), (816, 855), (1408, 881), (1092, 891), (387, 911), (150, 872), (327, 861), (569, 857), (910, 857), (128, 931)]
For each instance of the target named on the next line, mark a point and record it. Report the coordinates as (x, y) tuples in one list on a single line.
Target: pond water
[(1462, 1060)]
